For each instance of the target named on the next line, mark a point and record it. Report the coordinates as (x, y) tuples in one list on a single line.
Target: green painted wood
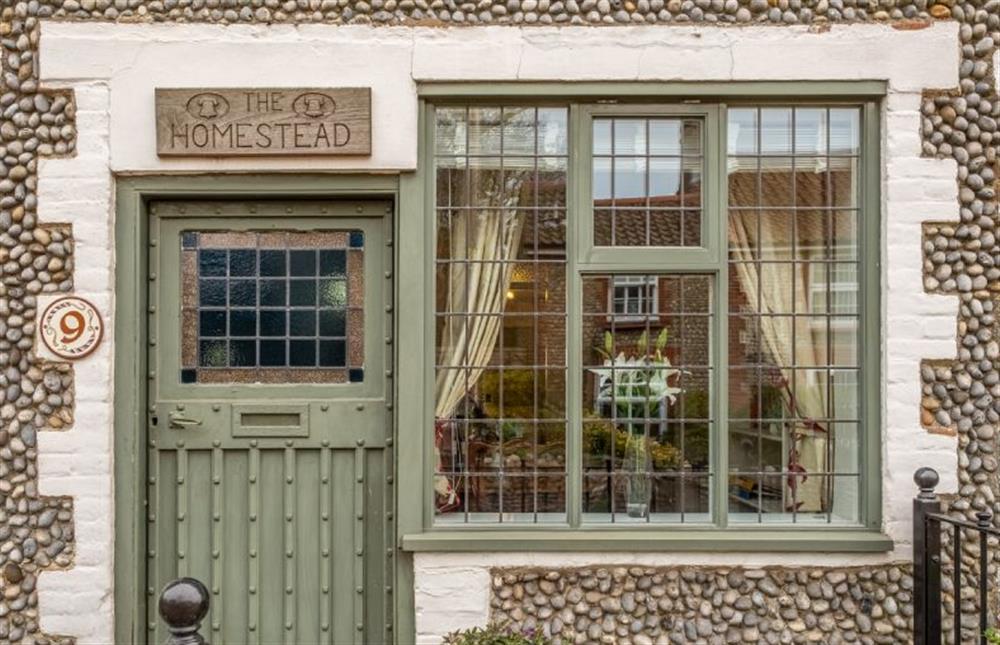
[(718, 203), (870, 336), (414, 497), (132, 595), (747, 540), (287, 556), (135, 596)]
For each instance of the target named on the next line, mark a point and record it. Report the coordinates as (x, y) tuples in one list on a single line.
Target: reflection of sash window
[(634, 298)]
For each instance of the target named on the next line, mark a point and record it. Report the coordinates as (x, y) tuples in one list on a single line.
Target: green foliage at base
[(495, 634)]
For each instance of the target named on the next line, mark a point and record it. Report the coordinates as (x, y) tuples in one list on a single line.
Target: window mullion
[(869, 335), (579, 178), (716, 218)]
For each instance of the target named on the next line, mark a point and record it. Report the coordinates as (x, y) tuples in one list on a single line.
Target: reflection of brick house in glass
[(509, 445), (811, 262)]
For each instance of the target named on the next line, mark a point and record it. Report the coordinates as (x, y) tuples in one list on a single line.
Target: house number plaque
[(71, 327), (225, 122)]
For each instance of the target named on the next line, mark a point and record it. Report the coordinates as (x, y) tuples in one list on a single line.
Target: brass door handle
[(178, 421)]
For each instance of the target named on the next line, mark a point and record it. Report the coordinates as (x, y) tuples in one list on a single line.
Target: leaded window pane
[(649, 389), (274, 307), (647, 181), (794, 322), (647, 419), (500, 379)]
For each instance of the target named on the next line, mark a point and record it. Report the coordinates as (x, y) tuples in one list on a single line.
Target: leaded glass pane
[(268, 306), (647, 418), (500, 402), (794, 324), (647, 181)]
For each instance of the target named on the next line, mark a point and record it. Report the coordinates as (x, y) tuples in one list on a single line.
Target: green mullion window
[(653, 314), (645, 182), (646, 173)]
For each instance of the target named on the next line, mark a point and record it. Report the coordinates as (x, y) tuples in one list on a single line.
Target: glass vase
[(637, 467)]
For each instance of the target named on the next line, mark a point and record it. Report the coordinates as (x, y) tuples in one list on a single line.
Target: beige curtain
[(784, 288), (478, 282), (477, 285)]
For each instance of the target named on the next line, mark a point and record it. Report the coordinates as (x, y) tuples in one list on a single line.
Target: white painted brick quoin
[(113, 70)]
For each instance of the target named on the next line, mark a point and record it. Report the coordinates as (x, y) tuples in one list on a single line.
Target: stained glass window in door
[(272, 307)]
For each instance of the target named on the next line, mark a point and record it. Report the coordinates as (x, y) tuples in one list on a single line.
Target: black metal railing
[(183, 605), (929, 525)]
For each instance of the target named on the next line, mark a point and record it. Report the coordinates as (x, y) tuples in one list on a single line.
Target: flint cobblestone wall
[(644, 605)]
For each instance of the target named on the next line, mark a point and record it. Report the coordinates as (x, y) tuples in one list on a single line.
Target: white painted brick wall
[(78, 461), (114, 68)]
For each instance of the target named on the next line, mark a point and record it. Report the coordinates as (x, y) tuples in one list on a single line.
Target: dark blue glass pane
[(242, 293), (357, 239), (332, 353), (272, 323), (189, 376), (272, 293), (212, 353), (272, 263), (211, 263), (242, 353), (272, 353), (243, 262), (333, 263), (333, 293), (242, 322), (332, 322), (302, 262), (302, 352), (303, 293), (302, 323), (212, 293), (356, 375), (212, 323), (189, 240)]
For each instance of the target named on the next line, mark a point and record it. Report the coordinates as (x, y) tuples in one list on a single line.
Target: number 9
[(72, 331)]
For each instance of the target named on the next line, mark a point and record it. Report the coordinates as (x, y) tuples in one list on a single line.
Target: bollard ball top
[(926, 478), (184, 603)]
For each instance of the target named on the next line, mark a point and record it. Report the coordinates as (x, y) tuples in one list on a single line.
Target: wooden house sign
[(225, 122)]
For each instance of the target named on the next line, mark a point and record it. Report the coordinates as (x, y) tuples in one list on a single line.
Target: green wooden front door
[(268, 465)]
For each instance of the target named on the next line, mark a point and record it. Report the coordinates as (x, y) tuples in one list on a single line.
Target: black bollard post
[(926, 561), (183, 605)]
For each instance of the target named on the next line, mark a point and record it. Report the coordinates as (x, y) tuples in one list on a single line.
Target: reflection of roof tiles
[(664, 228), (552, 229), (810, 190)]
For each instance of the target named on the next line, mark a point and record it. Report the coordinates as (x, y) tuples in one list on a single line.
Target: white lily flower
[(637, 379)]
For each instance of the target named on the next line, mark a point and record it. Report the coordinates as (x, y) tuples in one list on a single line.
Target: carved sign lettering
[(224, 122)]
